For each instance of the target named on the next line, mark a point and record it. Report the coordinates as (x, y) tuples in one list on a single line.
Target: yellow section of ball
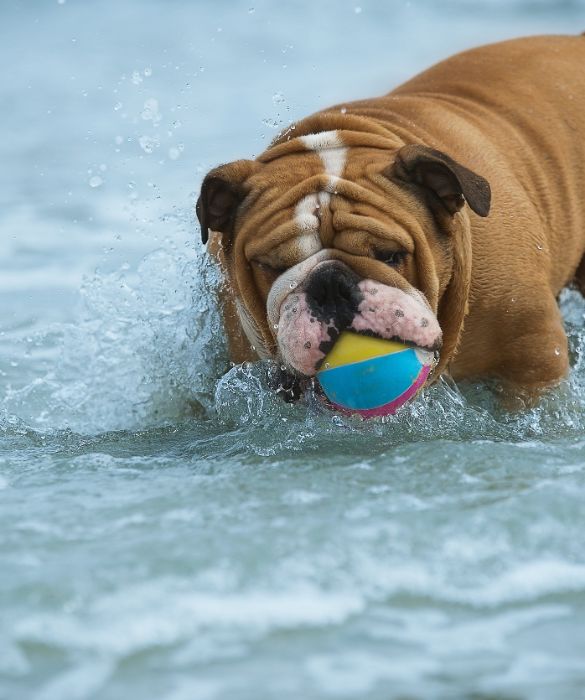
[(352, 347)]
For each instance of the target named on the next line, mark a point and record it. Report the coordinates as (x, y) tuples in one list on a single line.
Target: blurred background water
[(168, 530)]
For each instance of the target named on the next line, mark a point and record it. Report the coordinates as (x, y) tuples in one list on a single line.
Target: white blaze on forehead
[(329, 146), (333, 154), (308, 242), (322, 140), (305, 216)]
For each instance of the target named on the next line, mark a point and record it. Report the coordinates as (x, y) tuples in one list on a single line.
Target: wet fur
[(511, 112)]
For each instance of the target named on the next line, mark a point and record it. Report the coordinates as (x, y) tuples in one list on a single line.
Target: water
[(168, 528)]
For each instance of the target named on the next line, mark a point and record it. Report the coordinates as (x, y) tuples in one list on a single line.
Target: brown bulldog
[(373, 216)]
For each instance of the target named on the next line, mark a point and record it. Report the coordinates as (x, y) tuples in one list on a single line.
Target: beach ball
[(372, 377)]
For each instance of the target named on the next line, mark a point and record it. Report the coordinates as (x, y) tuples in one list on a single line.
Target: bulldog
[(448, 214)]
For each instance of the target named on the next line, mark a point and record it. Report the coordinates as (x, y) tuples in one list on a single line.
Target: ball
[(372, 377)]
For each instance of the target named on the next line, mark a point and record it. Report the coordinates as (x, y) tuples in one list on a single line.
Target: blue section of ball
[(371, 383)]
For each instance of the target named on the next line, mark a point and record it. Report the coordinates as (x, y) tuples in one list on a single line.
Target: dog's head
[(334, 230)]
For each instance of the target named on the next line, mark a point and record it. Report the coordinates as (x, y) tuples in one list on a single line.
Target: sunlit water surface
[(169, 530)]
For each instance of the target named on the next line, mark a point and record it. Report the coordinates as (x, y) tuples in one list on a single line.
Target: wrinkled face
[(324, 239)]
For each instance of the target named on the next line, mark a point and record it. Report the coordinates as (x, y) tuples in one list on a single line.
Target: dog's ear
[(451, 182), (222, 192)]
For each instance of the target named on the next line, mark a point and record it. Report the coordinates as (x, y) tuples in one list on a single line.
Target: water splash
[(147, 350), (446, 411)]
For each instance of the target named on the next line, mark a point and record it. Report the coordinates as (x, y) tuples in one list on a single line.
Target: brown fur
[(513, 113)]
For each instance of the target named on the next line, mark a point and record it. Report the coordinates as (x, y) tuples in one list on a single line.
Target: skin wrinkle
[(282, 207), (521, 159), (349, 221), (383, 138), (418, 232)]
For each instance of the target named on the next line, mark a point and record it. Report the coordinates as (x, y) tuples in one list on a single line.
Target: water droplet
[(147, 71), (275, 326), (118, 106), (557, 351), (293, 285), (294, 309), (95, 181), (148, 143), (357, 10), (327, 365), (343, 110), (251, 10), (278, 98), (151, 111), (136, 78)]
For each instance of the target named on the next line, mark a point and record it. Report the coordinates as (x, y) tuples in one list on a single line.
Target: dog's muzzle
[(309, 315)]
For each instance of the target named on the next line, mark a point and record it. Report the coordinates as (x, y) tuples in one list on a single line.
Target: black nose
[(333, 294)]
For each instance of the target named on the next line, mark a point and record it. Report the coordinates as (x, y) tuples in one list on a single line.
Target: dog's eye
[(271, 269), (390, 257)]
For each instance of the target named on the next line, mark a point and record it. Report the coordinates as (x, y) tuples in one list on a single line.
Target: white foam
[(161, 613)]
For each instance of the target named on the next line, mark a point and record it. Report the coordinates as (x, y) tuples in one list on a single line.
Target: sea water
[(168, 527)]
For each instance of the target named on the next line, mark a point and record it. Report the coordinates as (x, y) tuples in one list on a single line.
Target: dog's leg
[(534, 353)]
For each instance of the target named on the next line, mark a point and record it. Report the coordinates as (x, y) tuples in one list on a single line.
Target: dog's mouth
[(311, 321)]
